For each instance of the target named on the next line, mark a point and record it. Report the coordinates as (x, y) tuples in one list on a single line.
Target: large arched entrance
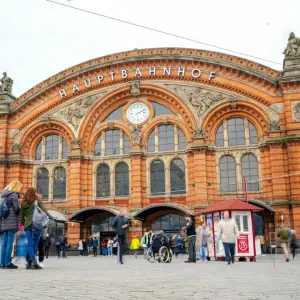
[(166, 217)]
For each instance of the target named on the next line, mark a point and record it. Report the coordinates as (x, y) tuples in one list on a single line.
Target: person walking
[(85, 249), (293, 243), (173, 244), (80, 247), (90, 245), (95, 246), (191, 236), (41, 248), (58, 246), (179, 245), (228, 232), (144, 244), (201, 241), (10, 224), (283, 235), (33, 234), (120, 225), (65, 246), (110, 247), (47, 245)]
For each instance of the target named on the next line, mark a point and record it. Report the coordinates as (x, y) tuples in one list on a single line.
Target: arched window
[(253, 134), (98, 146), (166, 137), (220, 137), (250, 171), (126, 143), (65, 149), (177, 174), (52, 142), (116, 114), (42, 183), (103, 181), (227, 174), (38, 152), (236, 132), (157, 175), (181, 140), (151, 142), (169, 223), (59, 184), (112, 142), (122, 179)]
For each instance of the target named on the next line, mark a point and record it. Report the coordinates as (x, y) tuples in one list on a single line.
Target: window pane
[(236, 132), (157, 174), (116, 114), (112, 142), (245, 223), (38, 152), (227, 174), (60, 183), (161, 109), (126, 143), (151, 142), (177, 173), (98, 146), (170, 223), (250, 171), (181, 140), (238, 221), (253, 134), (122, 180), (42, 185), (220, 137), (65, 149), (166, 137), (103, 181), (52, 147)]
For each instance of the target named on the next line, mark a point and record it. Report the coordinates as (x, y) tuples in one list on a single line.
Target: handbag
[(39, 218)]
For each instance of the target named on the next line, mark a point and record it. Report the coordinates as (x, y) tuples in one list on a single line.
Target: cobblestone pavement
[(91, 278)]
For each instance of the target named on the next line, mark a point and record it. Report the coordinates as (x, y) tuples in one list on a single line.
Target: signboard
[(243, 243)]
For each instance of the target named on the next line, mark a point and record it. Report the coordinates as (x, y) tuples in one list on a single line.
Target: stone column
[(43, 148), (103, 144), (156, 140), (225, 131), (121, 142), (176, 141), (247, 133), (60, 147)]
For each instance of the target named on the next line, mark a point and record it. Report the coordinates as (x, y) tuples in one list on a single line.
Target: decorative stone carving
[(76, 111), (111, 125), (6, 83), (296, 111), (202, 99), (76, 143), (135, 88), (136, 135), (293, 47), (199, 133), (16, 148), (274, 126)]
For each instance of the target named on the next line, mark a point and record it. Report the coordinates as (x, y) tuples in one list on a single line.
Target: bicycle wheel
[(164, 254), (150, 255)]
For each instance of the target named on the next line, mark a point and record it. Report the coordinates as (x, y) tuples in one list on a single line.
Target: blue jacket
[(95, 243), (179, 241)]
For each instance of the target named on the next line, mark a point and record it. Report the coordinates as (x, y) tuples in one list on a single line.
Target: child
[(293, 243), (201, 241), (135, 245), (21, 244)]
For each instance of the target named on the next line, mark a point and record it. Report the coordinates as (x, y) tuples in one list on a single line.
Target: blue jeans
[(104, 251), (203, 252), (7, 246), (109, 249), (33, 236), (229, 251)]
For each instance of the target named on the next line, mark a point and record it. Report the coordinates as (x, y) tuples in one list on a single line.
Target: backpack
[(284, 234), (39, 218), (4, 209)]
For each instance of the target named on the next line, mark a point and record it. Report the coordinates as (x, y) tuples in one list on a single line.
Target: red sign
[(243, 243)]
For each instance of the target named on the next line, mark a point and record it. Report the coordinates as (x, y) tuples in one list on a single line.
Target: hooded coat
[(11, 223)]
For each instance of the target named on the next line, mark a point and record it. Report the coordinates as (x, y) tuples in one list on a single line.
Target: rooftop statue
[(6, 83), (293, 47)]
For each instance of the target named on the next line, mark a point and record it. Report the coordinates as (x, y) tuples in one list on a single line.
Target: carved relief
[(296, 111), (16, 148), (199, 133), (76, 143), (274, 126), (201, 99), (135, 88), (136, 135)]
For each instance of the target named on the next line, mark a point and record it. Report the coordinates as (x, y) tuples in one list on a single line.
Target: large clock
[(137, 113)]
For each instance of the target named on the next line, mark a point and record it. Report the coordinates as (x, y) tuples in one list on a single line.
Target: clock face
[(137, 113)]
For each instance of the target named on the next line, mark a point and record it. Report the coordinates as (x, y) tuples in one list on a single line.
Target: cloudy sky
[(39, 38)]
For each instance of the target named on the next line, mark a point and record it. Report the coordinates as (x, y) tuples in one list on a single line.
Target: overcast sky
[(39, 39)]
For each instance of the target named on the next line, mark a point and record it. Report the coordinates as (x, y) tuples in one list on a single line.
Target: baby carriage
[(160, 249)]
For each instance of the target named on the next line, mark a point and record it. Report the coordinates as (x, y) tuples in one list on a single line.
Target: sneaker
[(35, 266), (29, 265), (121, 262), (11, 266), (287, 260), (41, 264), (189, 261)]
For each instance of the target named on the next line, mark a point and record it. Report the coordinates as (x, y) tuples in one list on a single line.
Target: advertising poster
[(210, 240), (243, 243), (219, 246)]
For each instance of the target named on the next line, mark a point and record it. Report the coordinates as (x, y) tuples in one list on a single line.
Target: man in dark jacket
[(120, 225), (47, 245), (191, 235)]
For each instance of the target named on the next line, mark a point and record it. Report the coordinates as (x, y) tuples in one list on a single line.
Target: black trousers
[(95, 251), (47, 251), (41, 248), (293, 248), (121, 242)]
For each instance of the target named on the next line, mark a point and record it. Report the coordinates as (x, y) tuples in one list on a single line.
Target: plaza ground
[(92, 278)]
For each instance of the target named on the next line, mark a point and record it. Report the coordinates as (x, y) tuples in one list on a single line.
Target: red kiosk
[(242, 212)]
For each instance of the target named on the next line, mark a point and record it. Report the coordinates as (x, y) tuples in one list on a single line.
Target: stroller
[(160, 249)]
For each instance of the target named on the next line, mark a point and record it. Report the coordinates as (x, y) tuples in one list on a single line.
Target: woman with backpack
[(10, 210), (33, 234)]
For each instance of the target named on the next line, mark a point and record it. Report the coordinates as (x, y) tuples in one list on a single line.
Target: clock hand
[(140, 111)]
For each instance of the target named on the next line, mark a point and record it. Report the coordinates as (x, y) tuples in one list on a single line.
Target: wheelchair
[(159, 250)]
